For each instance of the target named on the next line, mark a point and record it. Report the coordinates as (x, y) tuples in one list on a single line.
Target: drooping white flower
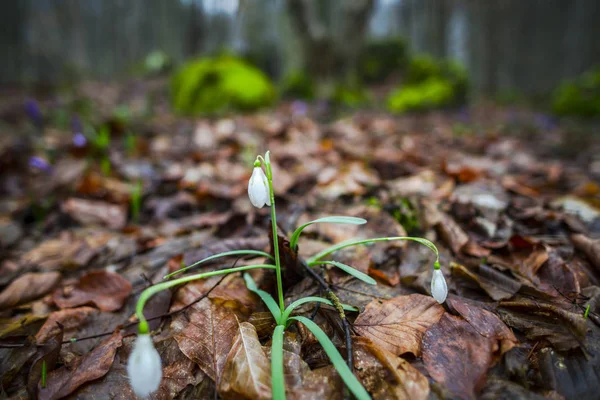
[(144, 367), (258, 188), (439, 289)]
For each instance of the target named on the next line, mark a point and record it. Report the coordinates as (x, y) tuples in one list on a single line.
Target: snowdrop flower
[(144, 366), (258, 188), (439, 289)]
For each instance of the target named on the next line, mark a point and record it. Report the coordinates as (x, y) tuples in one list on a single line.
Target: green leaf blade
[(219, 255), (277, 373), (337, 360), (264, 296), (334, 219), (288, 311), (349, 270)]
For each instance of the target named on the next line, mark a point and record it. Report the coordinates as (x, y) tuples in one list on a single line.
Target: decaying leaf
[(564, 329), (205, 333), (106, 290), (486, 324), (27, 287), (65, 380), (90, 212), (457, 356), (70, 319), (48, 355), (589, 247), (386, 375), (398, 324), (247, 371), (496, 284)]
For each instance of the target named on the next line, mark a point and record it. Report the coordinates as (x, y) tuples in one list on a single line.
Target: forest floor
[(511, 198)]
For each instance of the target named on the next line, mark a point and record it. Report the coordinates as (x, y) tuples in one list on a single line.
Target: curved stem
[(152, 290), (274, 228), (277, 372)]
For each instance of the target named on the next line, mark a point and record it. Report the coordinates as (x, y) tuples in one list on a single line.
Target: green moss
[(213, 85), (298, 85), (429, 84), (379, 59), (579, 97), (350, 95), (433, 93)]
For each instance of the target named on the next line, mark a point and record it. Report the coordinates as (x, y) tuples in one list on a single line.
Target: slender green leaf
[(348, 269), (299, 302), (350, 243), (338, 362), (224, 254), (277, 376), (152, 290), (265, 297), (332, 220)]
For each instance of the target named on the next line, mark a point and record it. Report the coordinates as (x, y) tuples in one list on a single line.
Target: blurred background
[(354, 52)]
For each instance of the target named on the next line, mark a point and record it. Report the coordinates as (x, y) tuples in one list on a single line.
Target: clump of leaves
[(298, 85), (261, 193)]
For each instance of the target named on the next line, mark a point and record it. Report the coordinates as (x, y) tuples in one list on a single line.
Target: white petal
[(144, 367), (439, 289), (257, 192), (266, 184)]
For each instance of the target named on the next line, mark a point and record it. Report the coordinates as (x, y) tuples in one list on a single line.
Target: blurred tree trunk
[(331, 33)]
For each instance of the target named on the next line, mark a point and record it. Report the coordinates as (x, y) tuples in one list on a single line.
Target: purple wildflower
[(299, 108), (79, 140), (32, 109), (39, 163)]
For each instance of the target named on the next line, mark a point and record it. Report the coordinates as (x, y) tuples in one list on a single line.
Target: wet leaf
[(247, 371), (205, 331), (70, 319), (91, 212), (457, 356), (65, 380), (106, 290), (589, 247), (398, 324), (496, 284), (564, 329), (27, 287), (386, 375), (48, 355)]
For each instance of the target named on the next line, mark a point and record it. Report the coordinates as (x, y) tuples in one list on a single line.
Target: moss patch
[(379, 59), (214, 85), (579, 97)]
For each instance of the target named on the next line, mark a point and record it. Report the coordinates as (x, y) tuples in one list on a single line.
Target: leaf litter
[(518, 237)]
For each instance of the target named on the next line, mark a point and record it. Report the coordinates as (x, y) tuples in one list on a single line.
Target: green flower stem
[(277, 373), (288, 311), (224, 254), (343, 245), (152, 290), (269, 174)]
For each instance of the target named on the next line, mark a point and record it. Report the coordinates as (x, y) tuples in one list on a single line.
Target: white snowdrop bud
[(258, 188), (144, 367), (439, 289)]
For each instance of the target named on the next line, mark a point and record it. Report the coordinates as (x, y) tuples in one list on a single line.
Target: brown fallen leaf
[(386, 375), (589, 247), (247, 370), (27, 287), (319, 383), (65, 380), (64, 252), (91, 212), (205, 331), (457, 356), (106, 290), (398, 324), (70, 319), (487, 324), (496, 284), (47, 354)]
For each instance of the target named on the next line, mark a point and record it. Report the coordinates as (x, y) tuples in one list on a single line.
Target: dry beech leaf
[(47, 354), (65, 380), (589, 247), (398, 324), (91, 212), (386, 375), (106, 290), (205, 333), (70, 319), (66, 251), (487, 324), (247, 371), (457, 356), (27, 287)]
